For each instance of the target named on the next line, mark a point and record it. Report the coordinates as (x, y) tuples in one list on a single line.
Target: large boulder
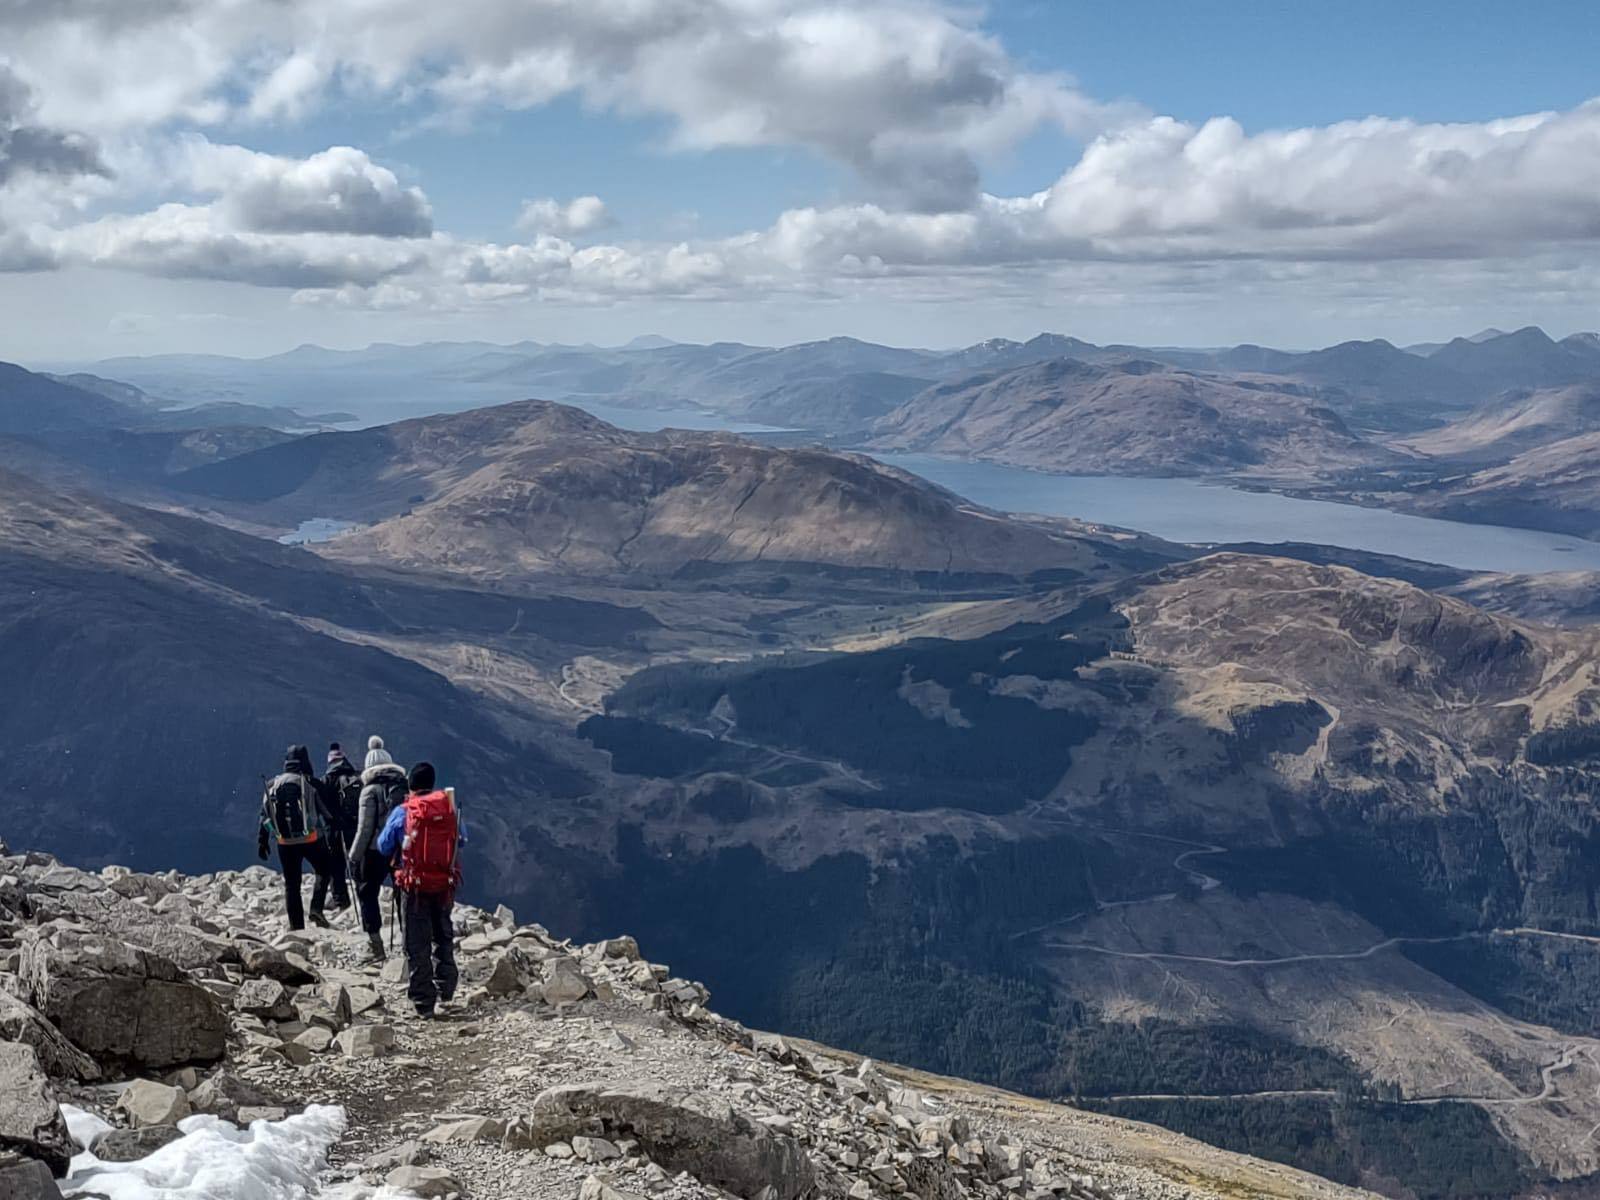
[(269, 962), (31, 1123), (564, 982), (121, 1004), (149, 1103), (366, 1041), (427, 1182), (59, 1057), (264, 998), (26, 1179), (131, 885), (683, 1130)]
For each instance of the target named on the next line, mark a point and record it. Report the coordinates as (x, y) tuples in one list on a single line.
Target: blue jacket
[(394, 831)]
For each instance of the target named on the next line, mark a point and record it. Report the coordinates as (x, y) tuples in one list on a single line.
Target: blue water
[(1187, 510)]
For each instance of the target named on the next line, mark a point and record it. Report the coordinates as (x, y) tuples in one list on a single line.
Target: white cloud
[(1164, 192), (1371, 188), (183, 241), (574, 218), (911, 95), (338, 190), (19, 252)]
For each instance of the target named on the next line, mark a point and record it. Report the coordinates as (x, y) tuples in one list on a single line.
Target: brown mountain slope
[(1221, 804), (1518, 422), (539, 488), (656, 504), (1555, 486), (1131, 418)]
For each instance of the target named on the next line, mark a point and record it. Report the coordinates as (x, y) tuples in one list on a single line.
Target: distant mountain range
[(1365, 379), (1362, 420)]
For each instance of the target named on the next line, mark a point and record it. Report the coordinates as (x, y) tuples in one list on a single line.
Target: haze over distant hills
[(1130, 417), (1361, 421), (1418, 384)]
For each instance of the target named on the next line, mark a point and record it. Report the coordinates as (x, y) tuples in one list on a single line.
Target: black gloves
[(261, 845), (354, 866)]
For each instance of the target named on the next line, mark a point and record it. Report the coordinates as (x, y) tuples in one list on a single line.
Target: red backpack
[(428, 852)]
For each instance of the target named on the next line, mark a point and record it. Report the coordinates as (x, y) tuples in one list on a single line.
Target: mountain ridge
[(242, 1021)]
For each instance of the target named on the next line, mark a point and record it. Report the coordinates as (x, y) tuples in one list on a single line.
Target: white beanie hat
[(377, 756)]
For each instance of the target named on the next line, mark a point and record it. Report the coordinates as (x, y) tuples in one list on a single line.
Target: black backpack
[(394, 795), (291, 804), (349, 799)]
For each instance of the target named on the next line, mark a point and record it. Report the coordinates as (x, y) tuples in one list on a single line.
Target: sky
[(242, 176)]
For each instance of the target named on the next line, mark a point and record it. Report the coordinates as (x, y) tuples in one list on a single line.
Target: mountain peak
[(1532, 335)]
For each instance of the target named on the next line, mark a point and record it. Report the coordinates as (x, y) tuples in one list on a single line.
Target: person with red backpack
[(423, 838)]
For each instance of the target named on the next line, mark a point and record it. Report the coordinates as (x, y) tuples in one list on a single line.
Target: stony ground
[(560, 1070)]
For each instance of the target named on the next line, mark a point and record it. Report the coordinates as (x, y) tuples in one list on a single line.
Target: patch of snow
[(83, 1126), (214, 1160)]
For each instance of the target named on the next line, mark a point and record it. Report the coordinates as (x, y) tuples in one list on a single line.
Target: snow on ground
[(271, 1160)]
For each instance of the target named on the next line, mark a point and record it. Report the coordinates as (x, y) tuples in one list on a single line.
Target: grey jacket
[(375, 781)]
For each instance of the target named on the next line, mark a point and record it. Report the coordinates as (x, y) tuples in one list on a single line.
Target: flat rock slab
[(427, 1182), (683, 1130), (149, 1103), (121, 1004), (366, 1041), (130, 1145)]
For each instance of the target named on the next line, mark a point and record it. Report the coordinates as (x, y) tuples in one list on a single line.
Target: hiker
[(383, 789), (342, 784), (294, 814), (423, 837)]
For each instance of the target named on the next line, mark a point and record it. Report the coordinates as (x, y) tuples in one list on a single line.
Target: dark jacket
[(339, 771), (376, 784), (296, 762)]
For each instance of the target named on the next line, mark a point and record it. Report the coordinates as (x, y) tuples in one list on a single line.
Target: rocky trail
[(161, 1036)]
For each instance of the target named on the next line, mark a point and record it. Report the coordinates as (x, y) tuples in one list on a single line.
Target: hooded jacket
[(376, 782), (339, 770), (298, 762)]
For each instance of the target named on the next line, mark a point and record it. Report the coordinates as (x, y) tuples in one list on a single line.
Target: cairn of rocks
[(561, 1070)]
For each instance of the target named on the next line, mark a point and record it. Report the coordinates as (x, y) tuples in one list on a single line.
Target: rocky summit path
[(560, 1071)]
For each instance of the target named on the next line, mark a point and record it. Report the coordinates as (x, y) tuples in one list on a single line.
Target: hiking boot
[(320, 921), (424, 1014), (375, 952)]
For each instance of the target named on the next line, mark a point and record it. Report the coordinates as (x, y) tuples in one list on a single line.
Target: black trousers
[(337, 869), (369, 891), (294, 860), (430, 948)]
